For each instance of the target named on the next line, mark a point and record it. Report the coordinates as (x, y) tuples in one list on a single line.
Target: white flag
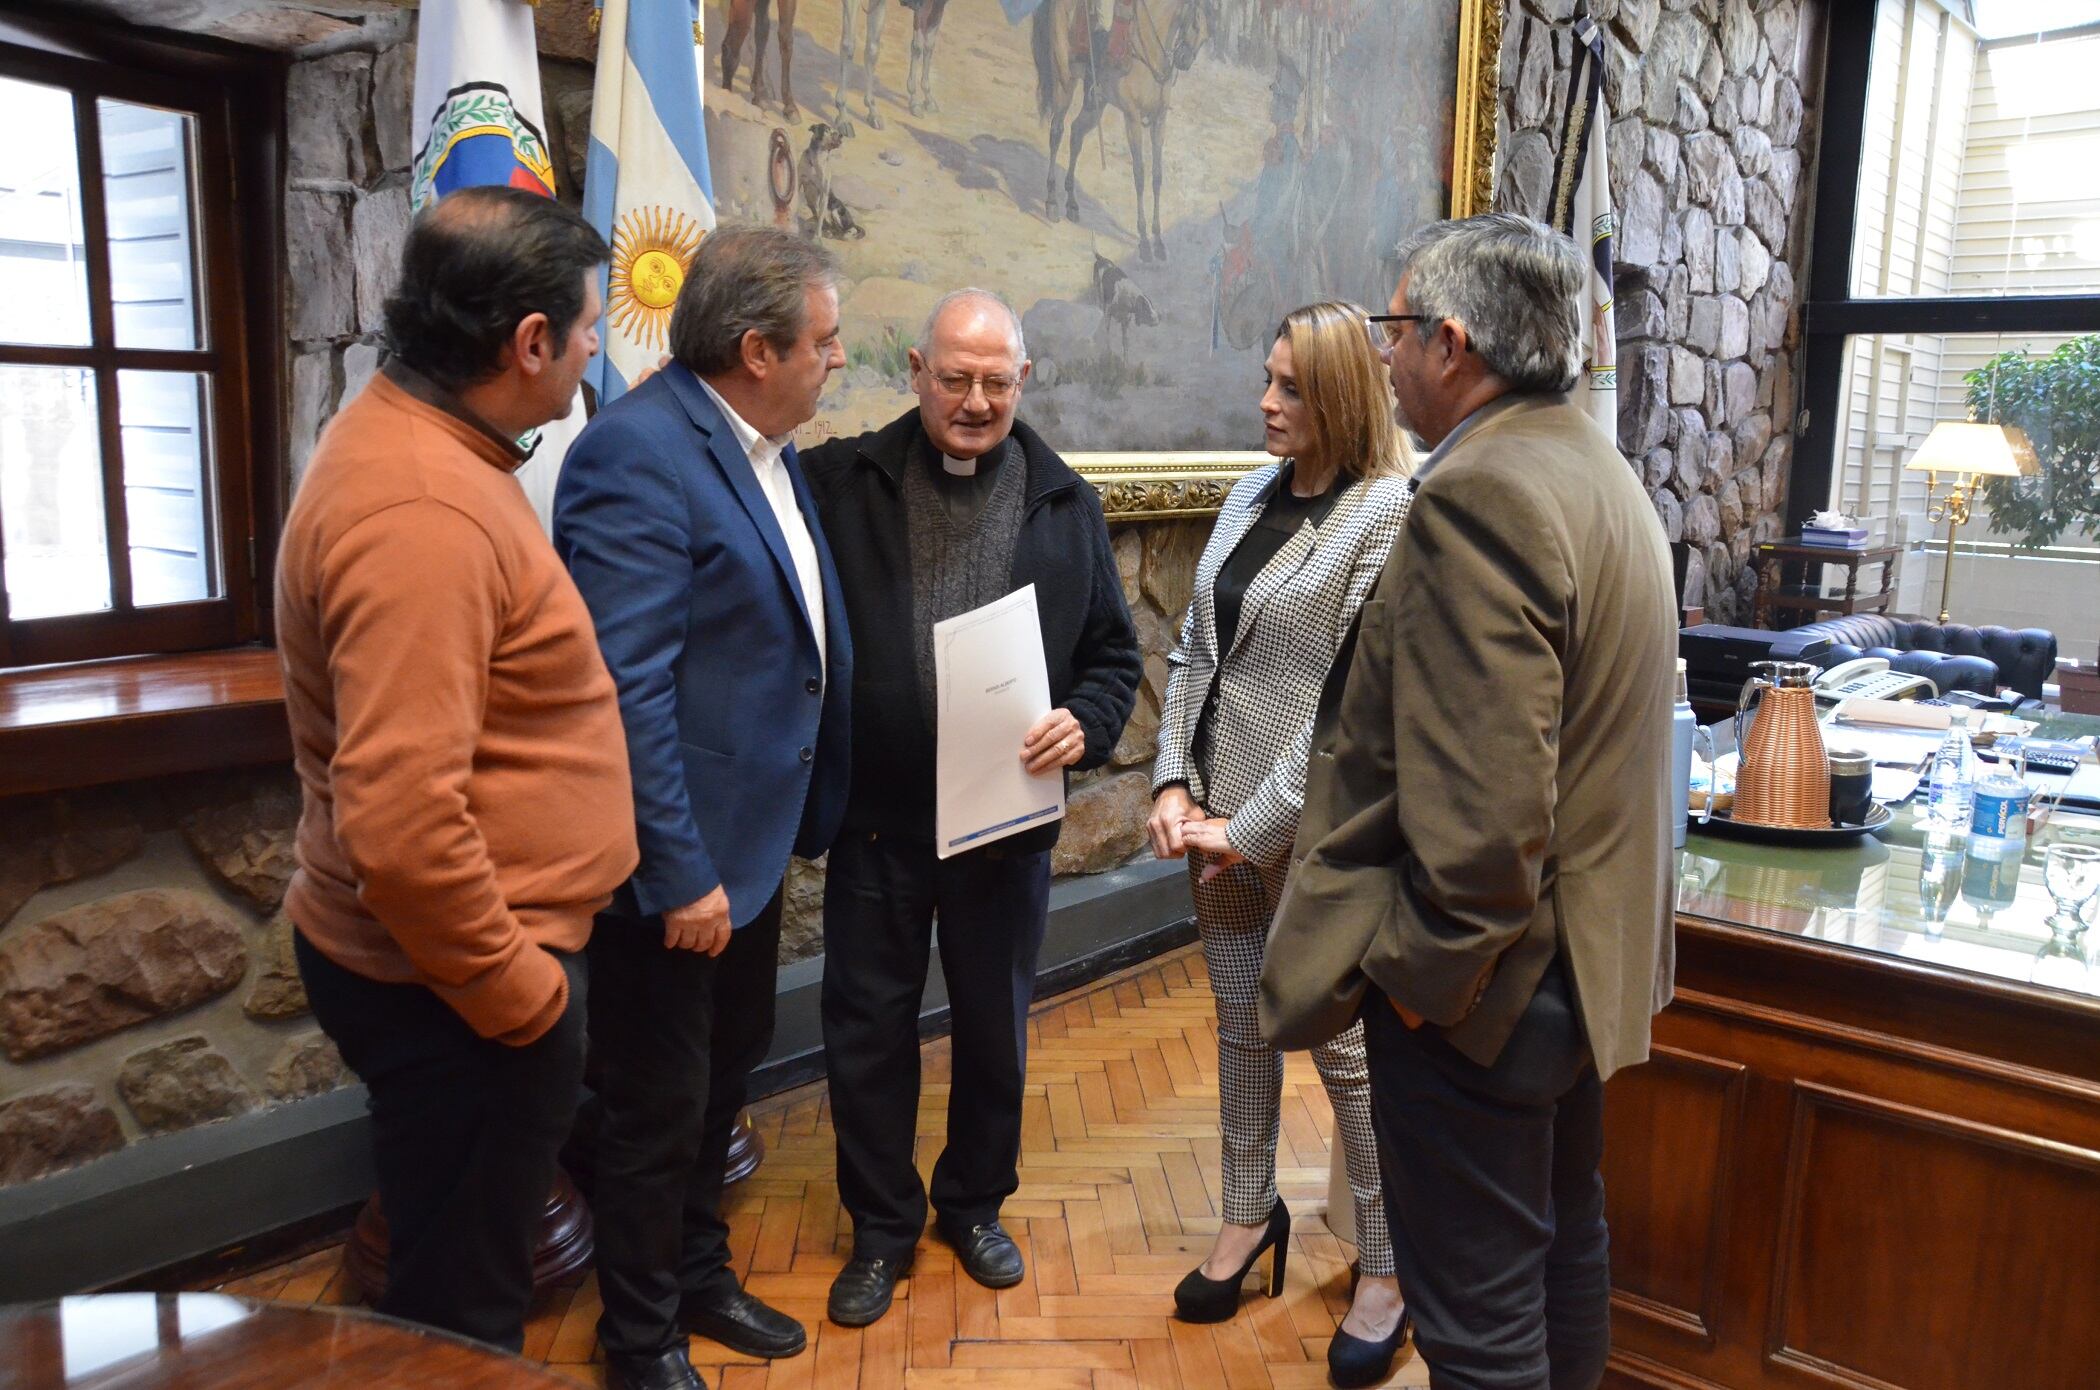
[(478, 116), (1582, 209), (646, 185)]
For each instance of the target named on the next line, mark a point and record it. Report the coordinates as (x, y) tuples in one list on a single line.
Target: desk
[(1867, 1150), (1809, 595)]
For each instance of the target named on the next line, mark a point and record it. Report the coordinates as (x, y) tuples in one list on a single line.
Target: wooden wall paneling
[(1922, 1170), (1927, 1250), (1731, 1225), (1669, 1197)]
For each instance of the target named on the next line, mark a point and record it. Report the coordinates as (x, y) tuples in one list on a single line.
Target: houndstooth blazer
[(1267, 687)]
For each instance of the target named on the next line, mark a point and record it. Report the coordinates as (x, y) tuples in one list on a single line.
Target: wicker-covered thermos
[(1784, 777)]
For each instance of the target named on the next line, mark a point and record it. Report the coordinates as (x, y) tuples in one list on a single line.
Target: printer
[(1717, 659)]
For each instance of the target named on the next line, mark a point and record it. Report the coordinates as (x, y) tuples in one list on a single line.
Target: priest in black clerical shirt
[(945, 509)]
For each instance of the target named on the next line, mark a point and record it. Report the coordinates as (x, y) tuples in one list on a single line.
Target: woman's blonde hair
[(1348, 400)]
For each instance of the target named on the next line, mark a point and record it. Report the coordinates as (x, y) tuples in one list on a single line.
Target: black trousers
[(674, 1038), (1494, 1197), (464, 1135), (882, 896)]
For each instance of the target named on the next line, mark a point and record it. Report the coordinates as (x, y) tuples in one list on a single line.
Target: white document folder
[(992, 686)]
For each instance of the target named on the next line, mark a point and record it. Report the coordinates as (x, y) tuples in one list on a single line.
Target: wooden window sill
[(114, 721)]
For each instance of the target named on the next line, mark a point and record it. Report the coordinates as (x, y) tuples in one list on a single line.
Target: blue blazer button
[(809, 755)]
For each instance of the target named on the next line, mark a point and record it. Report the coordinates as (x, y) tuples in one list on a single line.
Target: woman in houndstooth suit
[(1296, 549)]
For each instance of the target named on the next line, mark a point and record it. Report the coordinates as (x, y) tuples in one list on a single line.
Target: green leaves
[(491, 108), (2056, 399)]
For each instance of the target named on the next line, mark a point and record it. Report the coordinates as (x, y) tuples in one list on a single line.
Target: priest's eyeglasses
[(958, 384)]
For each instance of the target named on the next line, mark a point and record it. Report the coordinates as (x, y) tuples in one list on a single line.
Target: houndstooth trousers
[(1233, 913)]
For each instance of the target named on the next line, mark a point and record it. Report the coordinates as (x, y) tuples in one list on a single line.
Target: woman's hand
[(1208, 837), (1170, 809)]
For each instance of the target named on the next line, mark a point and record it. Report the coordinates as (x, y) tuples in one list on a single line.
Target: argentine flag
[(646, 186), (478, 120)]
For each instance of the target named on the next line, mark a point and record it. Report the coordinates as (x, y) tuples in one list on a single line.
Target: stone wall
[(348, 147), (1711, 150), (146, 976)]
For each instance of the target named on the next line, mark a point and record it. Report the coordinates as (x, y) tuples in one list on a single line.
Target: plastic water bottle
[(1939, 883), (1684, 727), (1998, 826), (1951, 788), (1989, 886)]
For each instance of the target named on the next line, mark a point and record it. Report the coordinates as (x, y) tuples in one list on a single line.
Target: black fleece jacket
[(1089, 643)]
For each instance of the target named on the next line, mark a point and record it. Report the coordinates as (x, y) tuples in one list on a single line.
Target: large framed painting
[(1151, 183)]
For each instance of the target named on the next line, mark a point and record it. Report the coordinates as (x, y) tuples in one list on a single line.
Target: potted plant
[(2055, 398)]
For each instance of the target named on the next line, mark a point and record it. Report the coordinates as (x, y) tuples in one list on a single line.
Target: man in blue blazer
[(683, 514)]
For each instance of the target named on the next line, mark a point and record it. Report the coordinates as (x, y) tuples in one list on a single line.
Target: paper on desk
[(992, 686), (1894, 784), (1897, 714), (1911, 748), (2081, 788)]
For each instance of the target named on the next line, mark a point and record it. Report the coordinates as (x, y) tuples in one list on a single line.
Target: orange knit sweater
[(455, 732)]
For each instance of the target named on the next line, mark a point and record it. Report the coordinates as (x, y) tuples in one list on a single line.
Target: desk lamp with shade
[(1970, 452)]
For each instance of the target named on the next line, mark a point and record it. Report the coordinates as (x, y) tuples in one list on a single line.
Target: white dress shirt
[(764, 455)]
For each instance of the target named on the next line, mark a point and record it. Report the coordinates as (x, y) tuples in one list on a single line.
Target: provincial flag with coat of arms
[(478, 117), (646, 185)]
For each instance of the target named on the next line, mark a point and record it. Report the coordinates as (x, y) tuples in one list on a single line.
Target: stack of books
[(1837, 537)]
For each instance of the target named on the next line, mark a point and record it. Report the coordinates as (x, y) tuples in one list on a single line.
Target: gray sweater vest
[(954, 571)]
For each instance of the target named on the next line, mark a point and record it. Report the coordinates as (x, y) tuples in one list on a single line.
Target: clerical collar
[(959, 468)]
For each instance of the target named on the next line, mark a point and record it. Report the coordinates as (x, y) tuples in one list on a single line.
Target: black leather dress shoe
[(667, 1370), (987, 1254), (863, 1290), (742, 1323)]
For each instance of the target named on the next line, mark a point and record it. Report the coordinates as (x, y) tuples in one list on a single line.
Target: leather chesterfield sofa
[(1952, 657)]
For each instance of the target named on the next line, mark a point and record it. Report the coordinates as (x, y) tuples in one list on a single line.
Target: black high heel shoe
[(1353, 1362), (1198, 1298)]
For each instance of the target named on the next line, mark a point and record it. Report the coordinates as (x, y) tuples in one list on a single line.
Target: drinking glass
[(2072, 875)]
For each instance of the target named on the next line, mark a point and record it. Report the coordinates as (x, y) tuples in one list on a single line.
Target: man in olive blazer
[(1484, 863)]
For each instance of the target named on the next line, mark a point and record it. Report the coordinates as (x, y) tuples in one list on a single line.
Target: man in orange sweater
[(467, 807)]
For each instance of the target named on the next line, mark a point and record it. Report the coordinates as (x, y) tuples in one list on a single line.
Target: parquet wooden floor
[(1119, 1198)]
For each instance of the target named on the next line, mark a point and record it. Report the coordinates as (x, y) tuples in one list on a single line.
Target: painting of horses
[(1151, 183)]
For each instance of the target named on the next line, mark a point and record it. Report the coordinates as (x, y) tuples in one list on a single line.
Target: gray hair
[(743, 279), (1513, 283), (971, 295)]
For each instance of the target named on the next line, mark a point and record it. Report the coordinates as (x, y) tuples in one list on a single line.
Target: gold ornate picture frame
[(1165, 485), (1151, 184)]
